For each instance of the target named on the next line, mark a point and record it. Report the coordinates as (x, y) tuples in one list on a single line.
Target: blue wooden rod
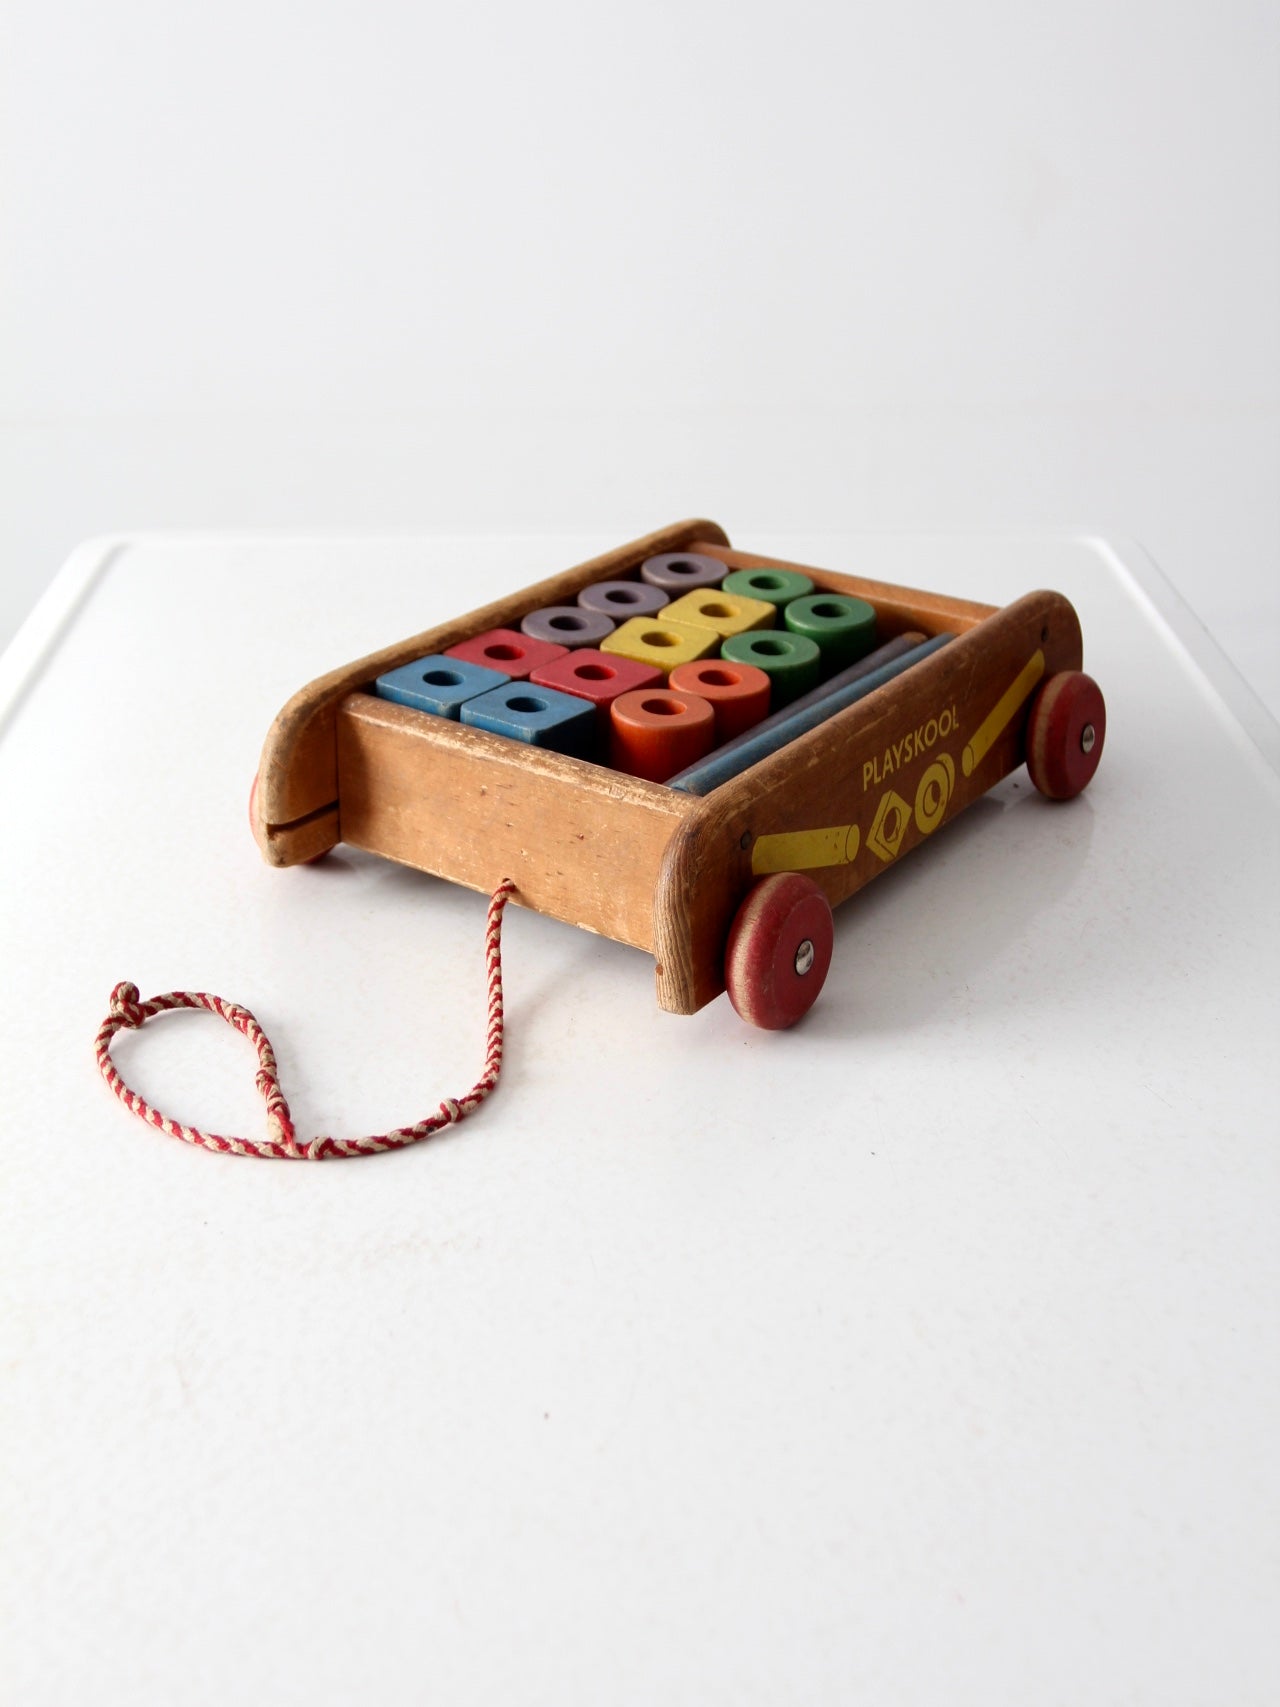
[(783, 726)]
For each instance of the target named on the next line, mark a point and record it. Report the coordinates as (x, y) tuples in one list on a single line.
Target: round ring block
[(843, 628), (792, 662), (621, 599), (779, 950), (737, 693), (656, 732), (682, 571), (567, 625), (1065, 733), (776, 586)]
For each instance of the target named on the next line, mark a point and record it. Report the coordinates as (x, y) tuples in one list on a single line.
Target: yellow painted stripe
[(805, 850), (999, 718)]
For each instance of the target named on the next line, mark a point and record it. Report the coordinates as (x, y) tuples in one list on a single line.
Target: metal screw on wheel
[(779, 950)]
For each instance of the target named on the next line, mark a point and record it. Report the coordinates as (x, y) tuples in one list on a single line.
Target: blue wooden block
[(438, 685), (542, 717)]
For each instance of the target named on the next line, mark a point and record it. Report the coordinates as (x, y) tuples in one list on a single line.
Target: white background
[(498, 267), (922, 1356)]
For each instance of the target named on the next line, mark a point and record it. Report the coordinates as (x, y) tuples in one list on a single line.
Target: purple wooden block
[(621, 599), (568, 625), (682, 572)]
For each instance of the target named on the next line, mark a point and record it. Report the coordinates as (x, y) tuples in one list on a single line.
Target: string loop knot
[(126, 1006), (128, 1012)]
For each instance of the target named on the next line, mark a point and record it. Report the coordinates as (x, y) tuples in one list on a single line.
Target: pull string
[(129, 1013)]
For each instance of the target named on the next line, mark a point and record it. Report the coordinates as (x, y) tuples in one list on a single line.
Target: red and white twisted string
[(128, 1013)]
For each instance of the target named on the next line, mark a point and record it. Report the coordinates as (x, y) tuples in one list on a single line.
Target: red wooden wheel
[(779, 950), (1065, 732)]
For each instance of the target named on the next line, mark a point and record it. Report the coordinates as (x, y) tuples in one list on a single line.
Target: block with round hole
[(656, 732), (440, 685), (679, 572), (570, 626), (792, 662), (843, 628), (516, 655), (658, 641), (723, 613), (597, 678), (622, 599), (738, 694), (778, 586), (539, 716)]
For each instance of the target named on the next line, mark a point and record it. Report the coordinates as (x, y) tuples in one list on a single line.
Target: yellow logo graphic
[(934, 794), (892, 817), (1002, 713), (805, 850)]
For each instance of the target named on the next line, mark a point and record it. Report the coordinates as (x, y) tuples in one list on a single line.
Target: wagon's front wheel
[(1065, 732), (779, 950)]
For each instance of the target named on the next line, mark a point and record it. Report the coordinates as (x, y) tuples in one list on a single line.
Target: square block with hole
[(658, 641), (516, 655), (595, 676), (440, 684), (724, 613), (541, 717)]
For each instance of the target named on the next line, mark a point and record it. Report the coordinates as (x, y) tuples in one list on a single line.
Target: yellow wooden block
[(723, 613), (654, 640)]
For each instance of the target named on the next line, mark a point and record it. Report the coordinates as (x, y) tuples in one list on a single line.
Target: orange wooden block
[(737, 693), (653, 729)]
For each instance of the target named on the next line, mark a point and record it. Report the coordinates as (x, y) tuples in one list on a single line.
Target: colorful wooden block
[(679, 572), (738, 694), (516, 655), (777, 732), (844, 629), (567, 625), (541, 717), (655, 733), (621, 599), (792, 662), (723, 613), (438, 684), (598, 678), (756, 733), (664, 644), (778, 586)]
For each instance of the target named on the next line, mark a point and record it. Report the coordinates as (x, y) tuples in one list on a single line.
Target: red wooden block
[(737, 693), (599, 677), (656, 732), (516, 655)]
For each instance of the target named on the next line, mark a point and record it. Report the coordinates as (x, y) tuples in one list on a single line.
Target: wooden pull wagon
[(731, 889)]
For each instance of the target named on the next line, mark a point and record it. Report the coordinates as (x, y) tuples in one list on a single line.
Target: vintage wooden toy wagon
[(726, 877)]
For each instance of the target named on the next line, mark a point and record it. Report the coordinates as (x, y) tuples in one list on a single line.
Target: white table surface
[(924, 1354)]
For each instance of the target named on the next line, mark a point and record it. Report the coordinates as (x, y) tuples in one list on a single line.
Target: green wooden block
[(792, 662), (844, 629), (776, 586)]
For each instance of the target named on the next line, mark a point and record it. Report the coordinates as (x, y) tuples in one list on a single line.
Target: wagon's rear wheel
[(779, 950), (1065, 732)]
